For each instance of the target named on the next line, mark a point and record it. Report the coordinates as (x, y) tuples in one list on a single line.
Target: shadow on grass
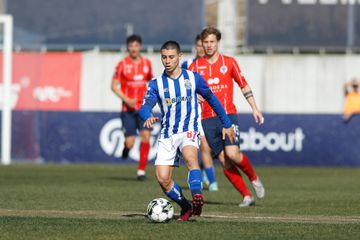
[(140, 216)]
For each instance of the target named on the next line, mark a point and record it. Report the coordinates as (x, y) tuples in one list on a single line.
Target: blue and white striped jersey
[(178, 102)]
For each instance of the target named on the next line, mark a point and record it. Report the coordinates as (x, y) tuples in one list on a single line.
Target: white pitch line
[(310, 219), (206, 216)]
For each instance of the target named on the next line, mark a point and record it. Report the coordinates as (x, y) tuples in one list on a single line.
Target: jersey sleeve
[(203, 89), (237, 74), (149, 101)]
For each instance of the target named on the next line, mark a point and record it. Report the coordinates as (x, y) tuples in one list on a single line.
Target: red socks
[(236, 179), (144, 153), (246, 167)]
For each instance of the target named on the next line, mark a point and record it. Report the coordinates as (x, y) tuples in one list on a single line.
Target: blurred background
[(296, 54)]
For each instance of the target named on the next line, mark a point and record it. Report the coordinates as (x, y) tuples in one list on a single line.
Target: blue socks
[(195, 181), (210, 173), (176, 195), (195, 185)]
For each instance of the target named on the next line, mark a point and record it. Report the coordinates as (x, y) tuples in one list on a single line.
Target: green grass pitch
[(106, 202)]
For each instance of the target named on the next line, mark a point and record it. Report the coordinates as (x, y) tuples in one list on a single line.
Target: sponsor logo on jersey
[(138, 77), (211, 81), (168, 101)]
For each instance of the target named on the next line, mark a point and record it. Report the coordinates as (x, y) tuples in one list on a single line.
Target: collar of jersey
[(164, 74)]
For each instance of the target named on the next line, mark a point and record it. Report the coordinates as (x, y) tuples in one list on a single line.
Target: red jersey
[(133, 78), (219, 77)]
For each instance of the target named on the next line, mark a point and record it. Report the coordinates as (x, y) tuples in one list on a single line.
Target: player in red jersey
[(129, 84), (220, 72)]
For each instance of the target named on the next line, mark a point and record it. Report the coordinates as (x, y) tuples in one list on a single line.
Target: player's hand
[(130, 102), (230, 133), (259, 119), (150, 122), (200, 99)]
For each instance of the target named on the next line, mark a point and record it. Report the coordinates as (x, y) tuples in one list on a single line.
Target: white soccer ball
[(160, 210)]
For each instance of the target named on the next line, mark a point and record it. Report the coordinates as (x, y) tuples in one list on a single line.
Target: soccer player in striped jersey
[(175, 91), (207, 165), (129, 84), (220, 72)]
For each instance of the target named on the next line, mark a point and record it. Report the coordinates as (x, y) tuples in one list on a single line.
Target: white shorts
[(169, 149)]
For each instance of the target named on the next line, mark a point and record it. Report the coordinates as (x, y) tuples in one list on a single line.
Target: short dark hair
[(168, 45), (133, 38), (197, 38), (208, 31)]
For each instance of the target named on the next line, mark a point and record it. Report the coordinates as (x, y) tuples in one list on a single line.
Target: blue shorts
[(131, 122), (213, 133)]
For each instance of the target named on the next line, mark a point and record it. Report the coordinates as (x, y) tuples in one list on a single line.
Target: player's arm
[(247, 92), (116, 88), (149, 101), (203, 89)]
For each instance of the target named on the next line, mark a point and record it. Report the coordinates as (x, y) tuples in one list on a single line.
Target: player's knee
[(192, 163), (164, 182), (233, 156), (145, 136), (129, 142)]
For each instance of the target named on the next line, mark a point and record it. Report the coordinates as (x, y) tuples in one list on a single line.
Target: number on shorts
[(191, 134)]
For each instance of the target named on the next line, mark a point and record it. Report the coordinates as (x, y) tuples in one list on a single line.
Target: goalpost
[(7, 22)]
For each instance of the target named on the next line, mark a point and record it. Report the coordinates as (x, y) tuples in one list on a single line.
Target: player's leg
[(172, 189), (190, 155), (144, 153), (129, 128), (208, 164), (234, 176), (242, 161), (128, 145), (205, 179), (213, 133), (232, 151), (145, 134), (165, 162)]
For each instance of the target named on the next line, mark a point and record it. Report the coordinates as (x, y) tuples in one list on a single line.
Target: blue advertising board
[(97, 137)]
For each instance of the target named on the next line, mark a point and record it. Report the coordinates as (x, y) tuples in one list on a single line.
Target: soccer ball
[(160, 210)]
